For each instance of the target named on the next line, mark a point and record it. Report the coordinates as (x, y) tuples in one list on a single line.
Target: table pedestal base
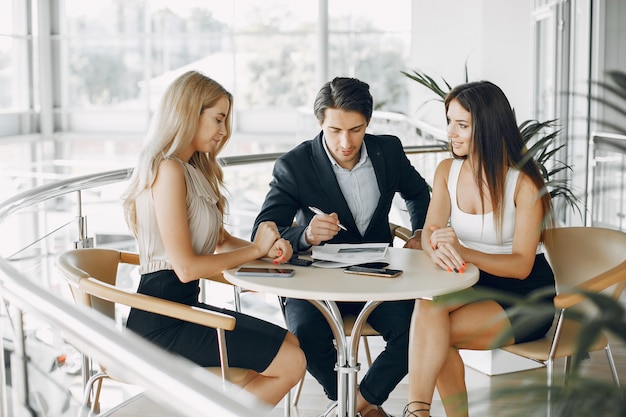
[(347, 366)]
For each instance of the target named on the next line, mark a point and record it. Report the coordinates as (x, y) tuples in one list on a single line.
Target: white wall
[(493, 36)]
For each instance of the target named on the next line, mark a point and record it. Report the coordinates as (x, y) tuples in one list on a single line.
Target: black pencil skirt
[(531, 323), (253, 344)]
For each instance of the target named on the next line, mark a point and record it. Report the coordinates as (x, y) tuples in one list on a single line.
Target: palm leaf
[(618, 77), (430, 83)]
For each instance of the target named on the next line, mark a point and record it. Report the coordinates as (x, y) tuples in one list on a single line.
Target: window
[(87, 79), (15, 84), (120, 55)]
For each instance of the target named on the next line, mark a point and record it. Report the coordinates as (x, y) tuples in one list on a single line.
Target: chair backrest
[(577, 254), (98, 263)]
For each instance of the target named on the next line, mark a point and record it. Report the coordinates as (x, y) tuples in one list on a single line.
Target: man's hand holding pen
[(322, 227)]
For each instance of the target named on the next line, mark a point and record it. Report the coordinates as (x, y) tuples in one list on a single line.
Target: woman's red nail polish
[(449, 270), (275, 261)]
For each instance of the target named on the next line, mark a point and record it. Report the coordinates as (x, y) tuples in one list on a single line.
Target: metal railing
[(173, 382)]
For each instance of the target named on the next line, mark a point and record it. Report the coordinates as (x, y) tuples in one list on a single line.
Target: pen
[(318, 211)]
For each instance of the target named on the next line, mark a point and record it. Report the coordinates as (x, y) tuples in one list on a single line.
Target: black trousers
[(391, 319)]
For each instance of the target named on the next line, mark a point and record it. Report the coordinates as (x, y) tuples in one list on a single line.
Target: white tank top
[(478, 231), (205, 221)]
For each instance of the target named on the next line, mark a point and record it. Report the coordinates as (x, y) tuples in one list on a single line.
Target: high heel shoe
[(413, 413)]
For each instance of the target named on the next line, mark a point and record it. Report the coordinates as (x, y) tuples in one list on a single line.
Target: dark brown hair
[(347, 94), (497, 144)]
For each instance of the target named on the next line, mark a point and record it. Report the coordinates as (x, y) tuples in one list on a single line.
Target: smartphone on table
[(265, 272), (375, 272), (295, 260)]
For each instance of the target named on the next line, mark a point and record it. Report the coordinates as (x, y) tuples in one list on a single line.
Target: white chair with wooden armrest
[(92, 275), (348, 321), (582, 258)]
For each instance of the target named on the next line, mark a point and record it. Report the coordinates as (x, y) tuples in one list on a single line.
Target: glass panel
[(612, 73), (609, 182), (544, 67), (609, 102), (104, 72), (187, 18), (370, 15), (7, 73), (170, 58), (14, 50), (103, 18), (274, 16), (16, 163), (275, 70), (120, 52), (6, 18), (376, 59)]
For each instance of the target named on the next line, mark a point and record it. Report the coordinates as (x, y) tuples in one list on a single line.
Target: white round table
[(323, 287)]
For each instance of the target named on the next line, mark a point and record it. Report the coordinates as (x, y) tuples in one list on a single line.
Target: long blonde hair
[(172, 130)]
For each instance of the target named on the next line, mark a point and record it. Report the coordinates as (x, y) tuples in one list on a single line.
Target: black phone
[(300, 262), (375, 272), (375, 265), (265, 272)]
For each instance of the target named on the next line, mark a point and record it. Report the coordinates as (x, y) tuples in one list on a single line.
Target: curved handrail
[(55, 189), (58, 188)]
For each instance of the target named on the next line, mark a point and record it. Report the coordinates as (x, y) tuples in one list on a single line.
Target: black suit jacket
[(304, 177)]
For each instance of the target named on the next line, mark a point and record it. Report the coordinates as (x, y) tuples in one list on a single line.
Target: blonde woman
[(175, 208)]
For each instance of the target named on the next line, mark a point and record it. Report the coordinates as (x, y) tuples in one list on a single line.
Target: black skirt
[(253, 343), (541, 278)]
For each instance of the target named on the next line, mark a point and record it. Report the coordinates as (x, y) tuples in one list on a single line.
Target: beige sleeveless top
[(205, 221)]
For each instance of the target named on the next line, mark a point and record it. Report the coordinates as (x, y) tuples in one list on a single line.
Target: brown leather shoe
[(376, 412)]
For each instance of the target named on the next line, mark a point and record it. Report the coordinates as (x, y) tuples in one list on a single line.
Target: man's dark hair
[(347, 94)]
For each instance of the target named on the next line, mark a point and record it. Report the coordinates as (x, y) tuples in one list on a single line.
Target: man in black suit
[(355, 186)]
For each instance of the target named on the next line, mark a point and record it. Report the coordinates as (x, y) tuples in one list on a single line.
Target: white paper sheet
[(346, 254)]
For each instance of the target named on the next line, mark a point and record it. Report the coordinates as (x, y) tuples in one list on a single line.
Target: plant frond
[(618, 77), (428, 82)]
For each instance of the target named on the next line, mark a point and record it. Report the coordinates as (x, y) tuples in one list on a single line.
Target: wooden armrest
[(157, 305), (219, 278), (129, 258), (595, 284), (400, 231)]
